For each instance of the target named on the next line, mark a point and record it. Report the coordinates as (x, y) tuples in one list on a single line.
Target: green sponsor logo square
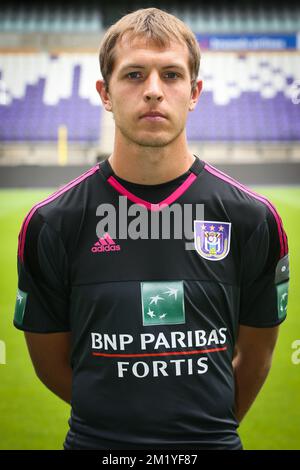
[(20, 306), (282, 299), (163, 303)]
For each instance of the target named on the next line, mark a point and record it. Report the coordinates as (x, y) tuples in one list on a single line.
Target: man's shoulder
[(236, 196), (245, 208), (63, 208), (69, 198)]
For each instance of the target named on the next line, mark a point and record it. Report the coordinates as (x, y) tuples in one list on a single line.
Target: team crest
[(212, 239)]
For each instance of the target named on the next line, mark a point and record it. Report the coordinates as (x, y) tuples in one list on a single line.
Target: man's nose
[(153, 88)]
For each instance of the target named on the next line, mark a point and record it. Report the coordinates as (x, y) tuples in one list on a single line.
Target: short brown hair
[(156, 26)]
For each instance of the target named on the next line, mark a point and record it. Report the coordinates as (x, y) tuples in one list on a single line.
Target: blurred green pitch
[(31, 417)]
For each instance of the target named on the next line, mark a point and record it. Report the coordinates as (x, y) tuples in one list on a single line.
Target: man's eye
[(133, 75), (138, 75), (171, 75)]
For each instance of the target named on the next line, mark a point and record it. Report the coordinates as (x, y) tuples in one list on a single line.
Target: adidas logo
[(105, 243)]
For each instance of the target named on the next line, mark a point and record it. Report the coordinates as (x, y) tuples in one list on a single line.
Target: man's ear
[(104, 95), (196, 91)]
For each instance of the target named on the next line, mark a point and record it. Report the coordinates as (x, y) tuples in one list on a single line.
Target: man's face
[(147, 80)]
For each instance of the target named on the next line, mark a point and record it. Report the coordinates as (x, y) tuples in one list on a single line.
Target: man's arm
[(50, 355), (251, 364)]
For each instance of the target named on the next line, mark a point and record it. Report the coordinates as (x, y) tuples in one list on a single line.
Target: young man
[(155, 342)]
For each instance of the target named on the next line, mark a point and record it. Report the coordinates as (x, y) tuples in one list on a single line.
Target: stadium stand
[(48, 68), (46, 91), (229, 17), (246, 97), (45, 18)]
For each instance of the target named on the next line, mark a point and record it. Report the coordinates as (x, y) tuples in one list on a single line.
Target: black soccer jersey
[(153, 282)]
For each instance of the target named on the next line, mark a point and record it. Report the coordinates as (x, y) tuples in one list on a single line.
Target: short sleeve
[(265, 275), (42, 303)]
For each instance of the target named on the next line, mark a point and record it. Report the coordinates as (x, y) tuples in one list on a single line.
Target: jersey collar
[(109, 175)]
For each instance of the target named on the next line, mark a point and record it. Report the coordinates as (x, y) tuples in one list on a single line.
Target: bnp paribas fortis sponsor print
[(163, 347)]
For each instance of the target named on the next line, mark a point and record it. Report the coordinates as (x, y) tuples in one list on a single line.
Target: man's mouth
[(153, 116)]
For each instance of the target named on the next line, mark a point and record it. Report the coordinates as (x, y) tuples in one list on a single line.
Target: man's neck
[(150, 165)]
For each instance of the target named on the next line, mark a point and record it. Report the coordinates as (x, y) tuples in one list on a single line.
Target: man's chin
[(154, 141)]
